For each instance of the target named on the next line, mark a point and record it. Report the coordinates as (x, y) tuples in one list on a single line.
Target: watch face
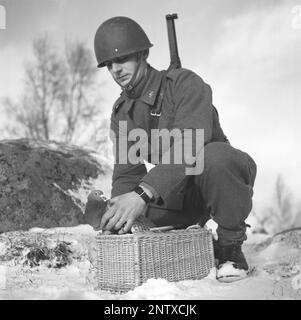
[(139, 190)]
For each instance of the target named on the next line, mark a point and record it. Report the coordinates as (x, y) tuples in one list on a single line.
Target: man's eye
[(121, 60), (117, 60)]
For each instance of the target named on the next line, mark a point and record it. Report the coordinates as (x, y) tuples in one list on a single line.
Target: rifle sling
[(156, 111)]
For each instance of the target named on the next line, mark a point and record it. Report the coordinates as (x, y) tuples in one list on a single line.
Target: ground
[(60, 263)]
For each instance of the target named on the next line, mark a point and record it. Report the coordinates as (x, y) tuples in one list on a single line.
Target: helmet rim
[(102, 64)]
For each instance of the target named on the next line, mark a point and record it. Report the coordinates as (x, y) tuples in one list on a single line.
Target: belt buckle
[(155, 114)]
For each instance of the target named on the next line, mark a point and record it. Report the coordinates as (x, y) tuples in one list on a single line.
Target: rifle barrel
[(175, 61)]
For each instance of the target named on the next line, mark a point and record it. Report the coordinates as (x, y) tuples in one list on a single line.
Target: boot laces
[(234, 254)]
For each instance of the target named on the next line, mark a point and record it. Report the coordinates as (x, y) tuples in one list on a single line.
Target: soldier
[(166, 195)]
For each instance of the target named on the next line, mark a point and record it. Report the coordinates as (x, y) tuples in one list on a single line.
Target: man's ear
[(143, 54)]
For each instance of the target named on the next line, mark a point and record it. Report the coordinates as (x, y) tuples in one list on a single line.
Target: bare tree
[(76, 106), (42, 85), (282, 215), (59, 100)]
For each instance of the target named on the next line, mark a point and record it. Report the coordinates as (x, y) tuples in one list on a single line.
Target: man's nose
[(116, 67)]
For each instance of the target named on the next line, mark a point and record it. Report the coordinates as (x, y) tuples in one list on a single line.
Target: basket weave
[(127, 261)]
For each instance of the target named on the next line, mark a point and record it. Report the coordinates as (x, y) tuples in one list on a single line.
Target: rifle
[(175, 61)]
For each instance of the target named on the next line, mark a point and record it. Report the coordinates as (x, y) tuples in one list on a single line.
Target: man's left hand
[(122, 212)]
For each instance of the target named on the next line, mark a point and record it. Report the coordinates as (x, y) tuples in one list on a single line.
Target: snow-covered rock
[(45, 184)]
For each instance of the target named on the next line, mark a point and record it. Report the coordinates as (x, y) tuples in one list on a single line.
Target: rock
[(38, 181)]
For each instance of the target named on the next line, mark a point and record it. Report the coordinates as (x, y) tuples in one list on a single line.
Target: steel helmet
[(117, 37)]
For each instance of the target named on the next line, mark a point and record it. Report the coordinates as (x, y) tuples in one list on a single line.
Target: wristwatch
[(143, 194)]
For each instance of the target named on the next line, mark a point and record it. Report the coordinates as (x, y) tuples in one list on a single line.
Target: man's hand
[(122, 212)]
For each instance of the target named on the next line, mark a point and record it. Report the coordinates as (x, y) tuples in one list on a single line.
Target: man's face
[(122, 69)]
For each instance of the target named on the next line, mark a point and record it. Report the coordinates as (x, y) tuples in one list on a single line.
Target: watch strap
[(142, 194)]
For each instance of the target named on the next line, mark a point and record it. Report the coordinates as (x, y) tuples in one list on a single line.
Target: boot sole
[(228, 273), (229, 279)]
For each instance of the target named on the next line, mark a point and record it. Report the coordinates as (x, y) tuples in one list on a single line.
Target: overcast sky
[(248, 51)]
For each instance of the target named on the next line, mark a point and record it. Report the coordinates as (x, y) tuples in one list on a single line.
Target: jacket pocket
[(173, 202)]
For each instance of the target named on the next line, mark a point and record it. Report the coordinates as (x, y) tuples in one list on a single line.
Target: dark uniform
[(222, 191)]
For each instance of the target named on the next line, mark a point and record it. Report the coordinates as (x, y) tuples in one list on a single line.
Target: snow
[(2, 249), (275, 264), (3, 271)]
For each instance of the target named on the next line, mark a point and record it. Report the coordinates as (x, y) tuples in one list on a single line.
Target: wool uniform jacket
[(187, 104)]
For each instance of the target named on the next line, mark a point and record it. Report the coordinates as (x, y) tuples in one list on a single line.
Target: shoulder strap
[(156, 111)]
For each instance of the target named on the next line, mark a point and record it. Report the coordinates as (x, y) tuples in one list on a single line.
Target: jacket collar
[(149, 93), (152, 87)]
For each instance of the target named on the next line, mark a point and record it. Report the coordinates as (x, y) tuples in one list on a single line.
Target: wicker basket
[(127, 261)]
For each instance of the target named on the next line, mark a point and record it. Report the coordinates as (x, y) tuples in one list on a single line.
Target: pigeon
[(96, 206)]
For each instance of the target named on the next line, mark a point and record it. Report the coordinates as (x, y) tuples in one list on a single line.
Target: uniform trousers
[(223, 192)]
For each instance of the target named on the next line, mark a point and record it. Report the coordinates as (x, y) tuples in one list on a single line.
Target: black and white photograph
[(150, 150)]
